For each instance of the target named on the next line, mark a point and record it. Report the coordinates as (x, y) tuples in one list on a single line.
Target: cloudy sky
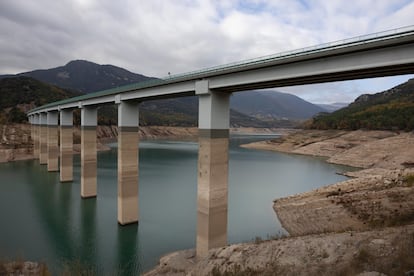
[(154, 37)]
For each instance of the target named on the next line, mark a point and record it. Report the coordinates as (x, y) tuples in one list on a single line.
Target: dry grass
[(409, 180)]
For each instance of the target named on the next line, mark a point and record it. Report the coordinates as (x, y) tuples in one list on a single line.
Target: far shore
[(17, 145)]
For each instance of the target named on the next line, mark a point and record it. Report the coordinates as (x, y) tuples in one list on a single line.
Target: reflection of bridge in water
[(376, 55)]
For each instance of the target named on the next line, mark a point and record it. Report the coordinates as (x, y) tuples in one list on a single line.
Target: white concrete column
[(88, 151), (43, 138), (66, 145), (52, 141), (128, 139), (32, 129), (212, 186), (36, 133)]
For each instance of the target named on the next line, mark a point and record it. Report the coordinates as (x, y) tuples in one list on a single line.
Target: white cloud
[(159, 36)]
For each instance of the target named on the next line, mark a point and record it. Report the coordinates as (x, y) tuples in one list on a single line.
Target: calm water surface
[(42, 219)]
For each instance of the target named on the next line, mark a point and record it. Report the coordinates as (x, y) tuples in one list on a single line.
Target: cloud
[(159, 36)]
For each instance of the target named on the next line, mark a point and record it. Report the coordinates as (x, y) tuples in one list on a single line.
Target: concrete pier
[(212, 186), (66, 145), (128, 139), (52, 141), (35, 137), (43, 139), (88, 151)]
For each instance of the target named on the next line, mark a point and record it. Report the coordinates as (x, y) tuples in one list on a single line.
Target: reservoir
[(45, 220)]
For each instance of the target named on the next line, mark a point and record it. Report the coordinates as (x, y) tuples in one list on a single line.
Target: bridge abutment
[(52, 141), (128, 139), (88, 151), (66, 145), (212, 189), (43, 139)]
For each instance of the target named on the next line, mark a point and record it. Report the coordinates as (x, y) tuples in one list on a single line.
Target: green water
[(45, 220)]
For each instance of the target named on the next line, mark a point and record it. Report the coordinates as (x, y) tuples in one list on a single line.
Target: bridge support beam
[(35, 135), (52, 141), (43, 139), (66, 145), (88, 151), (128, 139), (212, 187)]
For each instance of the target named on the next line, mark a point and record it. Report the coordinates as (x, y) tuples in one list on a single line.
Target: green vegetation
[(389, 110), (20, 94)]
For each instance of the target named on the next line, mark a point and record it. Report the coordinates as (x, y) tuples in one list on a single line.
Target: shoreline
[(382, 159), (356, 216), (16, 144)]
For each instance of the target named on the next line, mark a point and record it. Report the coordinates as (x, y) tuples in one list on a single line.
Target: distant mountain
[(273, 105), (184, 112), (253, 108), (85, 76), (391, 109), (333, 106), (20, 94)]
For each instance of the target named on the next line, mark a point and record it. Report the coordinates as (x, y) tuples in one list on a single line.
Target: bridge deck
[(388, 38)]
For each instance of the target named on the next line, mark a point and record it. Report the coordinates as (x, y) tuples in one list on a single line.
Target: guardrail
[(358, 40)]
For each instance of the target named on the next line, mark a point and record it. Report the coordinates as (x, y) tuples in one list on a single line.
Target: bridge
[(375, 55)]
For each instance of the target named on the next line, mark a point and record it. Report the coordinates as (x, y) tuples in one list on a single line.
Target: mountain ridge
[(24, 93), (85, 76), (272, 104), (392, 109), (270, 109)]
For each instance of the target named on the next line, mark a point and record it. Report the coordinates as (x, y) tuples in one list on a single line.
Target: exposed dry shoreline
[(360, 225), (16, 143)]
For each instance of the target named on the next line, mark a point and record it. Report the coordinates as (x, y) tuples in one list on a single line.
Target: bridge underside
[(398, 60), (354, 75)]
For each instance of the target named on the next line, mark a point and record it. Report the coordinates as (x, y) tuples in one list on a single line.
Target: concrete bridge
[(376, 55)]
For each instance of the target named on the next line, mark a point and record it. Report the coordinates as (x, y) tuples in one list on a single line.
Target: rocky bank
[(362, 226)]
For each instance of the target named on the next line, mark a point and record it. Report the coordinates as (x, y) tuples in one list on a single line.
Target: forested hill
[(85, 76), (250, 109), (20, 94), (392, 109)]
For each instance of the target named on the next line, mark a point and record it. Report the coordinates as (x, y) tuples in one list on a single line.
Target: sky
[(154, 37)]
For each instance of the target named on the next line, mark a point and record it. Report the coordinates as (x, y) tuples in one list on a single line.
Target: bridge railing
[(358, 40)]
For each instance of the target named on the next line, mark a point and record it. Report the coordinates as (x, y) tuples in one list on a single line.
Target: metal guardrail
[(354, 41), (358, 40)]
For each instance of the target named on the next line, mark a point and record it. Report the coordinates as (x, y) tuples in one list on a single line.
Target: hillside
[(86, 76), (273, 105), (184, 112), (392, 109), (248, 109), (20, 94), (333, 106)]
